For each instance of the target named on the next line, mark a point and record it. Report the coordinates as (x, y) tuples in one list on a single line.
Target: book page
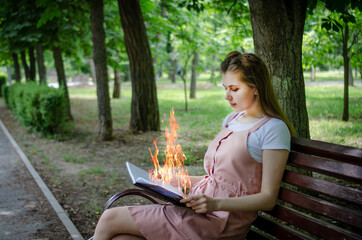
[(136, 172), (140, 176), (161, 184)]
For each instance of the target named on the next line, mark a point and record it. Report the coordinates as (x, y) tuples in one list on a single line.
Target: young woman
[(244, 165)]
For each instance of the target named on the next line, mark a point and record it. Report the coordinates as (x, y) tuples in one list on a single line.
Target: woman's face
[(239, 94)]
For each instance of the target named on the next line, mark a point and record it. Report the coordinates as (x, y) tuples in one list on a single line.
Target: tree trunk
[(32, 71), (62, 81), (183, 77), (212, 75), (154, 60), (16, 67), (350, 74), (144, 108), (160, 70), (194, 74), (8, 68), (278, 27), (345, 36), (25, 66), (100, 63), (42, 71), (172, 62), (312, 74), (126, 73), (117, 84), (93, 70), (172, 70)]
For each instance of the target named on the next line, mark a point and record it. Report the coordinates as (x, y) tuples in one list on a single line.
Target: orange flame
[(172, 171)]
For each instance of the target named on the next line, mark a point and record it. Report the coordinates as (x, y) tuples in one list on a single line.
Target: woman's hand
[(201, 203)]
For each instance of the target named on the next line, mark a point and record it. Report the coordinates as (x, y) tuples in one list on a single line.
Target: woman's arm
[(274, 162)]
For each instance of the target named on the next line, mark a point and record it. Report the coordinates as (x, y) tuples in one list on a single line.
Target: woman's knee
[(118, 221), (109, 215)]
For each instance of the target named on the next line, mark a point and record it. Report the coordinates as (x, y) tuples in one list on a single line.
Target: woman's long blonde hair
[(255, 73)]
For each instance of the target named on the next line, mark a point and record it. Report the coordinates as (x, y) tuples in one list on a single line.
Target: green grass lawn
[(325, 109), (206, 112), (328, 76)]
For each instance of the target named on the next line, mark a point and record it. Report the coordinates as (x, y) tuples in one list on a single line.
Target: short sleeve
[(277, 136)]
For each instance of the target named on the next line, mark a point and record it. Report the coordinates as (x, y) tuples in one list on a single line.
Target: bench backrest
[(320, 197)]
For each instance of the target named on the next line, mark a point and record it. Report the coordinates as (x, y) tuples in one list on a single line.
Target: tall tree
[(116, 51), (16, 67), (117, 84), (25, 65), (278, 32), (144, 108), (195, 62), (61, 23), (340, 20), (100, 62), (42, 71), (32, 64), (17, 25), (62, 81)]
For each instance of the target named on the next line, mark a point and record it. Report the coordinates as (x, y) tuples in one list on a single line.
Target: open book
[(160, 190)]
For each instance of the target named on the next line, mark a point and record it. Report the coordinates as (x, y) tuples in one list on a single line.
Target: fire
[(172, 170)]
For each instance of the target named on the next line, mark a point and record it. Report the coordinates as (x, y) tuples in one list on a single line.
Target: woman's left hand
[(200, 203)]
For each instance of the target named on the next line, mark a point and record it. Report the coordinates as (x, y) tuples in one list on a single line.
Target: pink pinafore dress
[(232, 172)]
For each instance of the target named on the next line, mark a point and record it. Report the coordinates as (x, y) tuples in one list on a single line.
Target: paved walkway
[(28, 210)]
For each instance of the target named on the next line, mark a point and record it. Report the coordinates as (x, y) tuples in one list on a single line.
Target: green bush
[(2, 83), (38, 106)]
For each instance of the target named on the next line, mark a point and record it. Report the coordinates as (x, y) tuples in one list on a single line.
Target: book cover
[(160, 190)]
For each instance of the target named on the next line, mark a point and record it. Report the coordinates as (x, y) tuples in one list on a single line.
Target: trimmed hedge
[(38, 106)]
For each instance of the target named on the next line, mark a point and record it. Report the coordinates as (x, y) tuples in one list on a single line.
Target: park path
[(28, 210)]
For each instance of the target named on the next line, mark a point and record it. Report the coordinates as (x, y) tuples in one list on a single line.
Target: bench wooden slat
[(254, 234), (328, 150), (321, 207), (332, 168), (275, 229), (349, 194), (313, 226)]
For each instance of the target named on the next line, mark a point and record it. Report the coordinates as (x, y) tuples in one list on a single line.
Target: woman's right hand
[(201, 203)]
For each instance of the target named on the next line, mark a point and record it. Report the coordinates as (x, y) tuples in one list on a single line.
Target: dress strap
[(259, 124), (231, 118)]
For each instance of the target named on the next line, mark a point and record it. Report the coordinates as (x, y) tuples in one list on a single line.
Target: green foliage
[(5, 93), (38, 106), (324, 34), (195, 5)]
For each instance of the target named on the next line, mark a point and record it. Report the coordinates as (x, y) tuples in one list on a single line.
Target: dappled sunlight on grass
[(325, 109), (206, 113), (327, 102), (336, 131), (85, 93)]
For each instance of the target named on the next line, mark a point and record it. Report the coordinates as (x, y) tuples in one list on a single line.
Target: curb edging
[(73, 231)]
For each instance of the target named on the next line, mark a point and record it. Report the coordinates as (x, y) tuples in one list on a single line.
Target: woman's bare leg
[(127, 237), (115, 221)]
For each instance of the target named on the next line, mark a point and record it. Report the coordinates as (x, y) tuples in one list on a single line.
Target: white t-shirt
[(274, 134)]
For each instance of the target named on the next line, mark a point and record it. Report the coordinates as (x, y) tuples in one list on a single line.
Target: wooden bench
[(323, 202)]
